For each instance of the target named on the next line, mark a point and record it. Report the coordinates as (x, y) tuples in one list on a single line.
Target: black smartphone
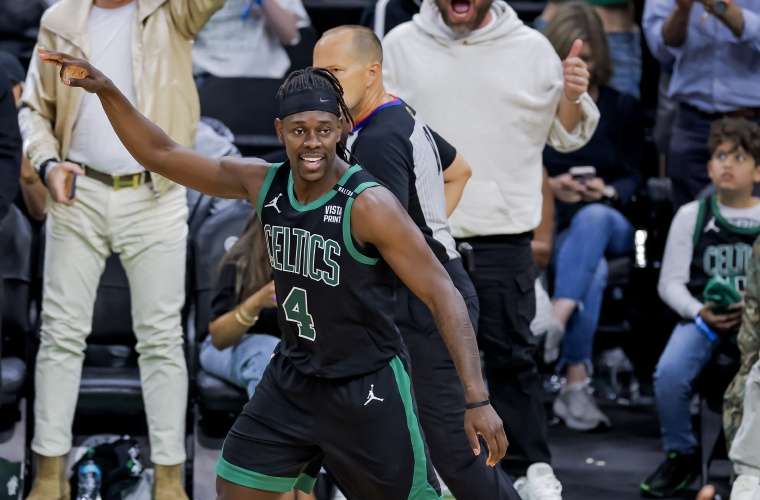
[(71, 185), (468, 256), (583, 173)]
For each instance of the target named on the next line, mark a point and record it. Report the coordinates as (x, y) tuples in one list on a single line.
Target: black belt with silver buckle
[(118, 181)]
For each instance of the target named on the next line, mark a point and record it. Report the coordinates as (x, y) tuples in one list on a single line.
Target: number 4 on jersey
[(297, 310)]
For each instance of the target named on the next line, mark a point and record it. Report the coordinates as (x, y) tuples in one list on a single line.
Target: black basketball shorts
[(363, 429)]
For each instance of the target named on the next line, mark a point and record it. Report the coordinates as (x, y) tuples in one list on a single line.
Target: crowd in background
[(559, 178)]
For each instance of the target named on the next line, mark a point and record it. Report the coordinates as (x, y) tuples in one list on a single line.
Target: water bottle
[(89, 477)]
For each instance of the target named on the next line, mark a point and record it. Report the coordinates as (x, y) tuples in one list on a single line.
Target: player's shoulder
[(374, 200)]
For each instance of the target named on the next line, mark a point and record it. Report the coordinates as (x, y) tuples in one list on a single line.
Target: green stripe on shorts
[(421, 489), (250, 479)]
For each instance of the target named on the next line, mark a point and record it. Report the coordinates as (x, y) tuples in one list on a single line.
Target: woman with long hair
[(243, 331), (590, 220)]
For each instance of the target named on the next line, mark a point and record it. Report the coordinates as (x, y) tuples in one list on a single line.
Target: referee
[(428, 176)]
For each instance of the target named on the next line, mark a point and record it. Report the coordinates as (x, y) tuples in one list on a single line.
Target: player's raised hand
[(575, 72), (484, 421), (75, 72)]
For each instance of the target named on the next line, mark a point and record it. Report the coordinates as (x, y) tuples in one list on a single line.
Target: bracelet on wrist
[(244, 318), (472, 406)]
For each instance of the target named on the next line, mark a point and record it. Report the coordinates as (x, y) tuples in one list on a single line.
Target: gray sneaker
[(576, 406)]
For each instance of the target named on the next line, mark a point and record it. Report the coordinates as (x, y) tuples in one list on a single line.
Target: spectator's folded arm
[(655, 14)]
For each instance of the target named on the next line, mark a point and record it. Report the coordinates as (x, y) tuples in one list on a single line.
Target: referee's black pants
[(504, 277), (440, 398)]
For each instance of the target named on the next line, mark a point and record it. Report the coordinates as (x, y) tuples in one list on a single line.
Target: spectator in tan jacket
[(144, 47)]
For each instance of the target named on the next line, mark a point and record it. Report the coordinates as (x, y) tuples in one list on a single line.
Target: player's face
[(463, 16), (732, 169), (310, 140), (335, 54)]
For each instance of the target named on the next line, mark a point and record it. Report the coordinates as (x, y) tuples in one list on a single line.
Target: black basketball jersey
[(720, 248), (336, 299)]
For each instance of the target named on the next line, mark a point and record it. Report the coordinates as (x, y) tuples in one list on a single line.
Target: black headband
[(309, 100)]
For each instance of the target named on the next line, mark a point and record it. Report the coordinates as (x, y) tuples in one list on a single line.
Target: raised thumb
[(576, 48)]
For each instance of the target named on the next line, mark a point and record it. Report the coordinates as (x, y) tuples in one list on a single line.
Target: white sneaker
[(746, 487), (576, 406), (521, 487), (539, 484), (555, 332)]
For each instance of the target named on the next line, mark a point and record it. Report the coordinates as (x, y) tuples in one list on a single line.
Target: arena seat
[(215, 237), (16, 271), (247, 105)]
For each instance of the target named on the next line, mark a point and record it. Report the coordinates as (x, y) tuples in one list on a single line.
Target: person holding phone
[(710, 237), (113, 206), (592, 186)]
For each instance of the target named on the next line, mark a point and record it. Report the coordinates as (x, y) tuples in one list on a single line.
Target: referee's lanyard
[(359, 125)]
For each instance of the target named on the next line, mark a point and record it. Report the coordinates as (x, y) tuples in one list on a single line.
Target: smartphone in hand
[(583, 173), (70, 185)]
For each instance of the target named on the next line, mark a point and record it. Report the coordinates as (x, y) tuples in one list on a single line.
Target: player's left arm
[(378, 219)]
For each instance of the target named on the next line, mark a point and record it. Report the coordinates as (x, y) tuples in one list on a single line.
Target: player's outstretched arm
[(378, 218), (151, 147)]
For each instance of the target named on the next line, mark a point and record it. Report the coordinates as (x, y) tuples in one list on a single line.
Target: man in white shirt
[(144, 47), (247, 38), (496, 89)]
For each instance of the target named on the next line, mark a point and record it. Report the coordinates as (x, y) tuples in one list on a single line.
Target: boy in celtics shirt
[(709, 237)]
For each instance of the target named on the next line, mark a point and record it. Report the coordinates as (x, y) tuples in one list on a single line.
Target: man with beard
[(427, 175), (475, 58)]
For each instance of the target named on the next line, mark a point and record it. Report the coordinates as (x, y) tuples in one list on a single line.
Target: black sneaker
[(673, 475)]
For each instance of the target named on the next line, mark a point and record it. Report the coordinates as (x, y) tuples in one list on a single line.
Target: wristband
[(43, 171), (472, 406), (703, 327)]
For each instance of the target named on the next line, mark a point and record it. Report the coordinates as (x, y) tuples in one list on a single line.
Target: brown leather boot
[(168, 483), (50, 482)]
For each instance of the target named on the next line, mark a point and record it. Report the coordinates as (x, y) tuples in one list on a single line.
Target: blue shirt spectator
[(715, 70), (714, 46)]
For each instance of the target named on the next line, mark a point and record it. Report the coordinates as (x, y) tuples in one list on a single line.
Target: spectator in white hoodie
[(499, 91)]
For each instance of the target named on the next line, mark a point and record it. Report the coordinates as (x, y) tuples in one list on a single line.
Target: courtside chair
[(215, 397), (17, 315)]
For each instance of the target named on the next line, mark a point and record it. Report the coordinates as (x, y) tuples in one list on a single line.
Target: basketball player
[(337, 390), (427, 175)]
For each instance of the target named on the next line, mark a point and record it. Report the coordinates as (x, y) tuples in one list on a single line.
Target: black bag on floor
[(120, 467)]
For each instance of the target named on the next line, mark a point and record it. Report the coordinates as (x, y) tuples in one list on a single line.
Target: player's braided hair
[(319, 78)]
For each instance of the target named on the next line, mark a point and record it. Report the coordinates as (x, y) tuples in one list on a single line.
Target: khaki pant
[(745, 451), (149, 232)]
